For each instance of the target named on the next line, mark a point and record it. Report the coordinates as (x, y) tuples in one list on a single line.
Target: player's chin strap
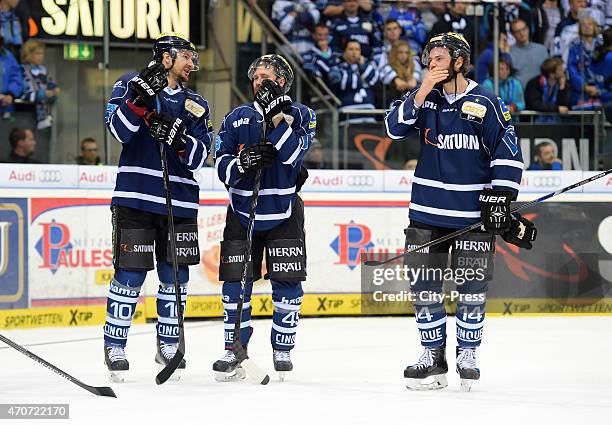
[(475, 226)]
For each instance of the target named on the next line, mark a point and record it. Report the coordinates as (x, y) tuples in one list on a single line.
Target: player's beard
[(452, 74)]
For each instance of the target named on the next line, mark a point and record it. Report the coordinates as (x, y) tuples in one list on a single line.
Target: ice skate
[(165, 353), (116, 362), (429, 373), (466, 367), (227, 368), (282, 363)]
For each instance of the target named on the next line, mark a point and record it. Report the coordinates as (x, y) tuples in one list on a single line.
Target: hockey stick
[(101, 391), (173, 364), (475, 226), (252, 370)]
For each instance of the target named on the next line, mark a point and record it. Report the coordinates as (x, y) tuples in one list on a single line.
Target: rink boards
[(56, 255)]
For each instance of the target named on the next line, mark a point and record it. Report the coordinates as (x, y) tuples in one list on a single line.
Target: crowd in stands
[(23, 75), (555, 55)]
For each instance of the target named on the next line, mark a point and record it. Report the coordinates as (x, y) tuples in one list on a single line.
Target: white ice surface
[(539, 370)]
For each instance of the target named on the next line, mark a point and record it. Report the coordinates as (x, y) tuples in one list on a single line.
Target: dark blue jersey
[(139, 180), (467, 144), (242, 128)]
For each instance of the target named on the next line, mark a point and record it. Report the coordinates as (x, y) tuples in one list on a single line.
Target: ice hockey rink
[(535, 370)]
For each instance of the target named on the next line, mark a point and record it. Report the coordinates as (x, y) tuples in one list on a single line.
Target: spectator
[(409, 19), (89, 152), (39, 88), (392, 32), (585, 94), (352, 80), (405, 71), (601, 66), (335, 8), (314, 158), (553, 15), (546, 158), (350, 26), (526, 56), (549, 91), (455, 20), (485, 59), (530, 12), (11, 80), (10, 27), (572, 16), (23, 145), (510, 89), (321, 58), (431, 12), (296, 20)]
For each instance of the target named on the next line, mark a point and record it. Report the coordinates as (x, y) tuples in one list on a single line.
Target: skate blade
[(176, 375), (466, 384), (433, 382), (282, 375), (237, 374), (117, 376)]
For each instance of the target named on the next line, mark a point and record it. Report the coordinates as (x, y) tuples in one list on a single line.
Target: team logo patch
[(194, 108), (504, 109), (217, 144), (474, 109)]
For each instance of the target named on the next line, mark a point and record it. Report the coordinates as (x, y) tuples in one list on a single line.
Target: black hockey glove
[(522, 232), (256, 157), (495, 210), (151, 80), (167, 129), (272, 99)]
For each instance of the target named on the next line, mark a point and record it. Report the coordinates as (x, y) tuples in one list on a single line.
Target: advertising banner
[(13, 253)]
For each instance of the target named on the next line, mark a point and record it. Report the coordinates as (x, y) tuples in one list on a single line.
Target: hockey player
[(469, 169), (144, 110), (279, 222)]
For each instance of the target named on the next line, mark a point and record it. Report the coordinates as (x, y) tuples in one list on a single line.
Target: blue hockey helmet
[(174, 43), (281, 67)]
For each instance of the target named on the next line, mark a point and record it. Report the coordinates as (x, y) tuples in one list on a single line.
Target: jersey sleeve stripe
[(156, 199), (507, 183), (400, 115), (112, 129), (228, 170), (283, 139), (508, 162), (263, 192), (295, 154), (155, 173), (133, 128), (193, 149), (445, 212), (448, 186)]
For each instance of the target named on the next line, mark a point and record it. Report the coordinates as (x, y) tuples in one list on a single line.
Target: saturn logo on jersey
[(453, 141)]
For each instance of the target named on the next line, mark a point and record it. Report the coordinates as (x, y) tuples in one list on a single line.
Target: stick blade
[(255, 372), (167, 371), (372, 263), (102, 391)]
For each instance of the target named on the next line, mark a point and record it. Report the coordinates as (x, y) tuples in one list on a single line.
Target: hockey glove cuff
[(495, 210), (272, 99), (522, 232), (256, 157), (167, 129)]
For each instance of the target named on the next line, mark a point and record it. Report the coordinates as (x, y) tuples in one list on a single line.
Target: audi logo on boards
[(49, 176), (546, 181), (360, 181)]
